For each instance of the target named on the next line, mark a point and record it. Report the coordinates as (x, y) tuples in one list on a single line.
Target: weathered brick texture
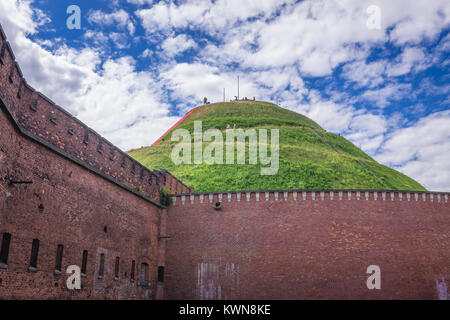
[(307, 249), (63, 184)]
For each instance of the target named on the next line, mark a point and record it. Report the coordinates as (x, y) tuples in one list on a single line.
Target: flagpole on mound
[(238, 87)]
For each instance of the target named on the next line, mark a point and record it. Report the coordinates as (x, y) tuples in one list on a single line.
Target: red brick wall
[(42, 118), (76, 205), (307, 249), (75, 191), (174, 185)]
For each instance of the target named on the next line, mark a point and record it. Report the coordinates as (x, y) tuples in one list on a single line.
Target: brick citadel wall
[(308, 245), (43, 119), (69, 197)]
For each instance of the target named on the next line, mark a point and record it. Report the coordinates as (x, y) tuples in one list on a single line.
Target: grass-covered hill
[(310, 157)]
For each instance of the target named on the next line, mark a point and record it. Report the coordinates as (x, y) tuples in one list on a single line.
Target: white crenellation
[(402, 196)]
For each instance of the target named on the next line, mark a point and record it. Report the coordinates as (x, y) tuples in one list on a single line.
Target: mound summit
[(309, 156)]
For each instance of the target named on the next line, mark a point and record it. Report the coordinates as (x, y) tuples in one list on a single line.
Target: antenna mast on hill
[(238, 88), (223, 94)]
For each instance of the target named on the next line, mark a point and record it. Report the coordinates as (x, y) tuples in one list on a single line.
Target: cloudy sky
[(136, 66)]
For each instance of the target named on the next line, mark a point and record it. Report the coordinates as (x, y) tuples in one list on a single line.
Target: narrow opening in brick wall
[(105, 229), (70, 131), (2, 53), (6, 240), (34, 255), (144, 274), (102, 266), (84, 263), (161, 274), (59, 256), (116, 269), (133, 265), (86, 137)]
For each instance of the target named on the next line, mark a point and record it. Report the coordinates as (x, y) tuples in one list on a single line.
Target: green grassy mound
[(310, 157)]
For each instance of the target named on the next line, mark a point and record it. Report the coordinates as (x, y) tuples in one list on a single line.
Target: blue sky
[(136, 66)]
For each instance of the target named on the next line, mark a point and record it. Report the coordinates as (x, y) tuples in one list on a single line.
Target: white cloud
[(413, 21), (328, 114), (91, 89), (365, 74), (383, 96), (315, 35), (175, 45), (422, 151), (209, 16), (410, 59), (373, 74), (140, 2), (120, 40), (192, 82), (146, 53), (119, 18)]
